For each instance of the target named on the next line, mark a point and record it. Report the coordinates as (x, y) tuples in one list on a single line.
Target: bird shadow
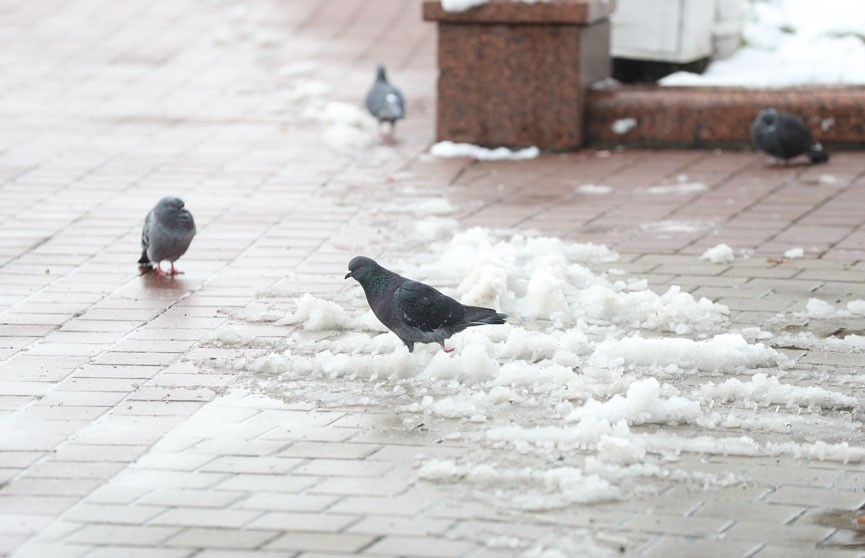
[(154, 281)]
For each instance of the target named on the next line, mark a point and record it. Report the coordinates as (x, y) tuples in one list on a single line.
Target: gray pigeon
[(417, 313), (384, 101), (166, 235), (784, 136)]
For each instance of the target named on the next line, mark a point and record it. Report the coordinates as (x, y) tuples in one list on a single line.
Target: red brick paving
[(106, 106)]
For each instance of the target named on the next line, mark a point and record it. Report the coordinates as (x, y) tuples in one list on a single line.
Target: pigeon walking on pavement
[(166, 235), (415, 312), (384, 101), (784, 136)]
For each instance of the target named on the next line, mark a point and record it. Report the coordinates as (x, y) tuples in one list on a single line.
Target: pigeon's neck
[(375, 283)]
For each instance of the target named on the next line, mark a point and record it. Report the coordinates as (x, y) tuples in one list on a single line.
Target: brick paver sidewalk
[(129, 423)]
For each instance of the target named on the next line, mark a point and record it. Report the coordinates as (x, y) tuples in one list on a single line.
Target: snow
[(728, 350), (768, 390), (623, 125), (681, 188), (451, 149), (594, 189), (577, 399), (642, 404), (672, 226), (463, 5), (721, 253), (315, 314), (789, 42), (794, 253), (822, 310)]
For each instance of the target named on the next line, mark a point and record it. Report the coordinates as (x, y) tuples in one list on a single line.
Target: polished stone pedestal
[(516, 74)]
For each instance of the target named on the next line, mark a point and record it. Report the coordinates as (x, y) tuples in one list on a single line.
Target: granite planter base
[(718, 116), (516, 74)]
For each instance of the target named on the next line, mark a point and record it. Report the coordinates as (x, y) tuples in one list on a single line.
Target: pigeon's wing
[(425, 308), (794, 133)]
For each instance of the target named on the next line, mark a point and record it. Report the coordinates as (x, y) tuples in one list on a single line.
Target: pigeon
[(384, 101), (166, 235), (415, 312), (784, 136)]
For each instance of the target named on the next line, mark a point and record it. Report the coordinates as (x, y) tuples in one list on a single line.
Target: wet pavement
[(138, 418)]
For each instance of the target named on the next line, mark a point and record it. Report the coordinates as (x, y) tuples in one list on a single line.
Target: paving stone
[(198, 537), (782, 535), (417, 546), (205, 517), (677, 525), (112, 513), (121, 534), (287, 502), (349, 543), (702, 548), (308, 522), (814, 496), (103, 370)]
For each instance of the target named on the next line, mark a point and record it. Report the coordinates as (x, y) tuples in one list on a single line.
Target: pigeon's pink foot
[(452, 349), (174, 271), (158, 271)]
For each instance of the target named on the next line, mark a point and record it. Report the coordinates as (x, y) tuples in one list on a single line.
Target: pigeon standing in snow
[(384, 101), (784, 136), (166, 235), (417, 313)]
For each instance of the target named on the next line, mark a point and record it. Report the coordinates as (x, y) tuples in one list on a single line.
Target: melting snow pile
[(790, 42), (585, 380)]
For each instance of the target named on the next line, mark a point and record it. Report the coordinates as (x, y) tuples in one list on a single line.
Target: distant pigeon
[(384, 101), (166, 235), (417, 313), (784, 136)]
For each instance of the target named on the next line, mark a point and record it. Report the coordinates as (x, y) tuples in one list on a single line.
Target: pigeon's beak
[(347, 275)]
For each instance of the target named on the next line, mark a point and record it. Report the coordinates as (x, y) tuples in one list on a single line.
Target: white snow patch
[(768, 390), (728, 351), (623, 125), (821, 310), (451, 149), (641, 405), (856, 307), (672, 226), (229, 336), (547, 489), (461, 5), (594, 189), (682, 188), (316, 314), (788, 42), (721, 253), (794, 253)]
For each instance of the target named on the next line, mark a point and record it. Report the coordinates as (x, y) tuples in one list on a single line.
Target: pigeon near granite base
[(785, 136)]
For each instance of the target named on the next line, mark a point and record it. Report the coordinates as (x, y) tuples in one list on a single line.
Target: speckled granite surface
[(519, 84), (706, 117)]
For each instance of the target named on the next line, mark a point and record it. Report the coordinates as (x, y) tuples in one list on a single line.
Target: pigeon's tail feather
[(143, 260), (476, 315), (817, 154)]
